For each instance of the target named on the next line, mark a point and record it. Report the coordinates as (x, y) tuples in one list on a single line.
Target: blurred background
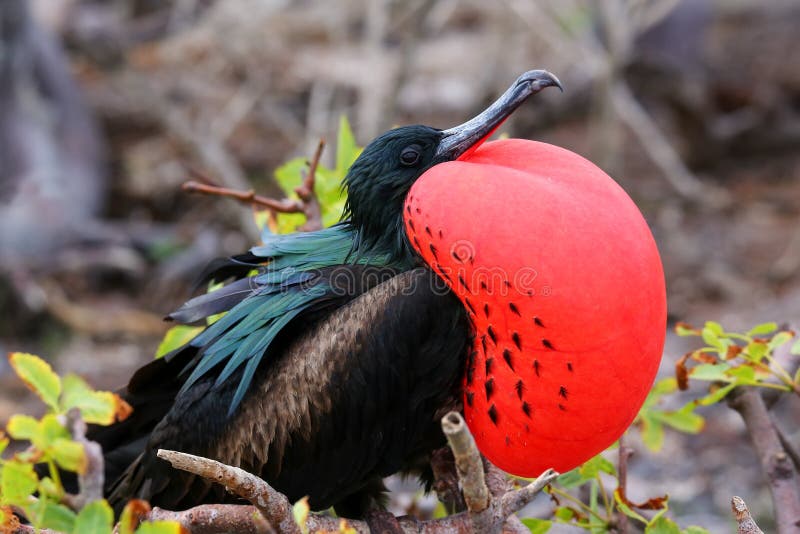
[(106, 106)]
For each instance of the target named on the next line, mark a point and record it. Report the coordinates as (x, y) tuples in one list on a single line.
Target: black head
[(380, 178)]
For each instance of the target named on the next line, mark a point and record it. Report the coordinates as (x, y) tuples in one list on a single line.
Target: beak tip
[(539, 79)]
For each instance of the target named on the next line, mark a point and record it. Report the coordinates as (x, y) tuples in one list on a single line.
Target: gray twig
[(486, 514), (742, 515), (775, 462), (90, 482)]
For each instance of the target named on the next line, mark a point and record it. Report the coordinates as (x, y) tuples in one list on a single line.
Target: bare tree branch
[(625, 452), (468, 462), (90, 481), (275, 507), (742, 515), (271, 507), (216, 519), (307, 204), (446, 480), (781, 475)]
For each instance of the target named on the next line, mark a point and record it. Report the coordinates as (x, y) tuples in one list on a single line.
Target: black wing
[(353, 398)]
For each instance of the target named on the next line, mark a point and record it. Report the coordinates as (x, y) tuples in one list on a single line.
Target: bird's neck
[(389, 241)]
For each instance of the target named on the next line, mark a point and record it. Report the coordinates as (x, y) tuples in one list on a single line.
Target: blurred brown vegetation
[(105, 106)]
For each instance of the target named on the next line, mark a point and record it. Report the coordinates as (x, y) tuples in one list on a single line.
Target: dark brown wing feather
[(355, 397)]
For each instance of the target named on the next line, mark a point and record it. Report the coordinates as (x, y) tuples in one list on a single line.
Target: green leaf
[(571, 479), (18, 481), (55, 516), (300, 511), (745, 375), (564, 514), (662, 525), (715, 396), (795, 350), (652, 432), (627, 510), (176, 337), (96, 407), (711, 338), (537, 526), (159, 527), (779, 339), (762, 329), (22, 427), (69, 455), (665, 385), (755, 350), (598, 464), (347, 150), (712, 372), (48, 487), (714, 327), (686, 330), (38, 376), (50, 429), (682, 420), (3, 442), (95, 518), (695, 530), (289, 175)]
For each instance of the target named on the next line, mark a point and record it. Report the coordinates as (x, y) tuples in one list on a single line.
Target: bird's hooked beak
[(461, 140)]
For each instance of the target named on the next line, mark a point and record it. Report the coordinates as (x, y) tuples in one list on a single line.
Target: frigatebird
[(341, 349)]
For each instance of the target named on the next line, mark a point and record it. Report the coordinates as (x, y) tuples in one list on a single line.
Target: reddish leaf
[(681, 373)]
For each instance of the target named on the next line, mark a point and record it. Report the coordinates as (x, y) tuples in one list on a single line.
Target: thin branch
[(787, 445), (90, 482), (514, 501), (446, 480), (625, 452), (272, 505), (216, 519), (285, 205), (307, 204), (775, 462), (660, 150), (487, 514), (310, 203), (742, 515), (468, 462)]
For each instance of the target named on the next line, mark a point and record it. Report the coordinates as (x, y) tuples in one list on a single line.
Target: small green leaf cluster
[(328, 181), (652, 419), (43, 500), (331, 196), (601, 512), (731, 359), (727, 360)]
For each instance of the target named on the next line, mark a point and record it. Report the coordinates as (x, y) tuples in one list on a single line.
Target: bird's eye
[(410, 155)]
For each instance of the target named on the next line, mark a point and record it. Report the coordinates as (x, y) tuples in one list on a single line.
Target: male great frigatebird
[(336, 360)]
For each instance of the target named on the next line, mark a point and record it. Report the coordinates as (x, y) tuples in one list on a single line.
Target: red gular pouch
[(564, 286)]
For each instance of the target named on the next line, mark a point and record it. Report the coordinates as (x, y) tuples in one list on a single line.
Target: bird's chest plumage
[(356, 397), (564, 288)]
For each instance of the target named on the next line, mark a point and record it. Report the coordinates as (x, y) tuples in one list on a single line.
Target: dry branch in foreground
[(486, 514), (307, 202), (782, 478), (742, 514)]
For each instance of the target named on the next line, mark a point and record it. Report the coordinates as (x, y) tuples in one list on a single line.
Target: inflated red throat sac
[(564, 286)]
